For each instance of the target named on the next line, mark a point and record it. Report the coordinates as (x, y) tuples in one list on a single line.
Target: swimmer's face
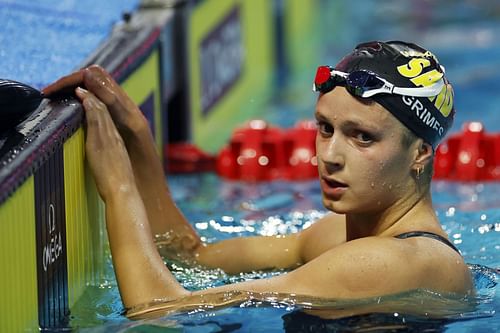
[(362, 164)]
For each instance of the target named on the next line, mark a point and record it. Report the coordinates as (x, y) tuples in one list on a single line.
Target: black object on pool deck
[(17, 102)]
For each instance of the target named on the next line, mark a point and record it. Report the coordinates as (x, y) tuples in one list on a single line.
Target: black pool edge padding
[(61, 119)]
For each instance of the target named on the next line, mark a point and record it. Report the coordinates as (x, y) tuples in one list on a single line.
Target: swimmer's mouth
[(334, 183)]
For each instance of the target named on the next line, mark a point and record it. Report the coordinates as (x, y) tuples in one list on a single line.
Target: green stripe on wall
[(84, 220), (19, 300), (244, 99), (302, 37), (141, 83)]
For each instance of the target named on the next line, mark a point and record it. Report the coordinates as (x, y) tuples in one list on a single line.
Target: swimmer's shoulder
[(418, 262), (437, 261), (377, 265)]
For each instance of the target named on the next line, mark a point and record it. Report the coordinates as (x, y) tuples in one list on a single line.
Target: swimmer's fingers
[(96, 113), (105, 149), (96, 76), (66, 84), (123, 110), (100, 82)]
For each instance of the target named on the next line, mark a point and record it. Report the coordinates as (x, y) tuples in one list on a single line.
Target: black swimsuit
[(429, 235)]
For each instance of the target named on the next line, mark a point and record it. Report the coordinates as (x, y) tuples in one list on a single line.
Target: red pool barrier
[(184, 157), (259, 152), (300, 151), (471, 155), (255, 152)]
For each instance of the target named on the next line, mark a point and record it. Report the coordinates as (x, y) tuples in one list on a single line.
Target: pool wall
[(231, 64), (52, 222), (196, 69)]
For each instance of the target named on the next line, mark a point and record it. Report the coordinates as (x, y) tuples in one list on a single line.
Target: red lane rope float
[(300, 152), (472, 155), (184, 157), (254, 153), (260, 152)]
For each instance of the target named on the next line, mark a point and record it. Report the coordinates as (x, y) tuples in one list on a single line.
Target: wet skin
[(359, 148)]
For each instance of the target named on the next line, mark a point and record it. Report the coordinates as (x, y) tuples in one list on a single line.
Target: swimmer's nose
[(331, 154)]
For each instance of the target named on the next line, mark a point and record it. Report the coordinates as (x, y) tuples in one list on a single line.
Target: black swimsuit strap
[(429, 235)]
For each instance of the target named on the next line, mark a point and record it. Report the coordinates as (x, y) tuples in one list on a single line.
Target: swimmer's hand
[(105, 149), (126, 115), (141, 274)]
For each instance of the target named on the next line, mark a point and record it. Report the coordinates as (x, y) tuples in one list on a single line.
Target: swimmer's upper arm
[(357, 269)]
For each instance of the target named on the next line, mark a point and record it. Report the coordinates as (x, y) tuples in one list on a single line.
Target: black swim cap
[(407, 65)]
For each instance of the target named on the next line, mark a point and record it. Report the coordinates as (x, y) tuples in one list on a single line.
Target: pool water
[(469, 214), (44, 40)]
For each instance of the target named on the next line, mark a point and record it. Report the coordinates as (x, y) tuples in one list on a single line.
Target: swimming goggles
[(364, 83)]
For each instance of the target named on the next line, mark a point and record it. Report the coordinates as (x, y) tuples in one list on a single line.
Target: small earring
[(419, 171)]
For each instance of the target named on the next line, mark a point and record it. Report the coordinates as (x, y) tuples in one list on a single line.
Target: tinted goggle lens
[(359, 82)]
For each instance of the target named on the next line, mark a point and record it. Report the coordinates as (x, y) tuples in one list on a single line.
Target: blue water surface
[(44, 40)]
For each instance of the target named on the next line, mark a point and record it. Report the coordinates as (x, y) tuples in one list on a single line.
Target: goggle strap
[(428, 91)]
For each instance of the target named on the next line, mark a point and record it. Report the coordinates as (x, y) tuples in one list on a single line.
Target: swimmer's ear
[(423, 153)]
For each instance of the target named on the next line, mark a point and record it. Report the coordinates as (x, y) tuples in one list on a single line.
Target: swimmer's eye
[(363, 137), (324, 128)]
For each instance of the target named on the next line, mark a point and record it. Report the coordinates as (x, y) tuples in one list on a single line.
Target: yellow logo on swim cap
[(444, 100), (413, 70)]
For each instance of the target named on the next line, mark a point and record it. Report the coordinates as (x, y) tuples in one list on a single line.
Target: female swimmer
[(381, 112)]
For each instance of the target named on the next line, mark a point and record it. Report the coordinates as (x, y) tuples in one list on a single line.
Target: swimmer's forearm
[(141, 274), (163, 214), (245, 254)]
